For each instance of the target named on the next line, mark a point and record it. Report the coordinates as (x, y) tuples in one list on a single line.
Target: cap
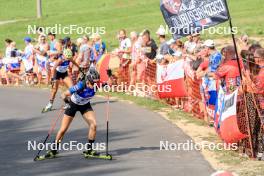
[(66, 39), (209, 43), (27, 39), (161, 31), (79, 40), (195, 34), (171, 41)]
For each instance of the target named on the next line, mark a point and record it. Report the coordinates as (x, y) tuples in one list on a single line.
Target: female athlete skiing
[(78, 97), (60, 70)]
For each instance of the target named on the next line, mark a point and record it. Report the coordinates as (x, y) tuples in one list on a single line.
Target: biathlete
[(78, 97), (60, 72)]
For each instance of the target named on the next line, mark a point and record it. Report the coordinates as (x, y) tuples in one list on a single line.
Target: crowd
[(207, 68), (34, 64)]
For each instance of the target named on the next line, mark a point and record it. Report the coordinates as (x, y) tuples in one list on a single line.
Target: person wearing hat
[(215, 56), (164, 47), (205, 72), (60, 70), (27, 60)]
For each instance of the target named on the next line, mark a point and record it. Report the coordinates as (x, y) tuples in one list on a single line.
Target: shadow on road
[(16, 159), (103, 102)]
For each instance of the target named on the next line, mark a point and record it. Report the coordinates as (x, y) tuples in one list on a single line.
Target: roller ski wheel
[(96, 155), (49, 155)]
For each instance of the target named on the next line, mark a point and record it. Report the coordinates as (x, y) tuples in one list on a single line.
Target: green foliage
[(112, 14)]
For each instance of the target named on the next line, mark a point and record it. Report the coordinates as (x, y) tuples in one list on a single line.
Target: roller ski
[(95, 155), (47, 108), (51, 154)]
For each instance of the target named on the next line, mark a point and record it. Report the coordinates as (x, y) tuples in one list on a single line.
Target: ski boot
[(49, 155), (47, 108), (94, 154)]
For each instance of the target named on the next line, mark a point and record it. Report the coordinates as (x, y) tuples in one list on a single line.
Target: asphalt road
[(135, 135)]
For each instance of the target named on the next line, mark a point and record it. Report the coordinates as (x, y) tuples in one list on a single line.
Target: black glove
[(52, 80), (66, 99), (82, 70), (109, 72)]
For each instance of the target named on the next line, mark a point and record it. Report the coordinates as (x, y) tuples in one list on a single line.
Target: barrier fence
[(249, 104), (248, 107)]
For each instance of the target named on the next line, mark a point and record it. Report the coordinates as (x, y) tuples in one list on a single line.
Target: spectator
[(55, 49), (205, 71), (7, 55), (135, 54), (141, 63), (190, 45), (99, 46), (150, 51), (257, 85), (251, 60), (27, 59), (228, 71), (14, 65), (164, 47), (40, 33), (124, 53), (41, 50), (243, 42), (176, 50), (197, 40), (84, 53), (1, 66)]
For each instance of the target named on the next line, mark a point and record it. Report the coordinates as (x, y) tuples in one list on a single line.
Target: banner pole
[(240, 72), (233, 38)]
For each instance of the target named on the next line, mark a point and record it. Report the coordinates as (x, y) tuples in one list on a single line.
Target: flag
[(102, 65), (218, 107), (208, 86), (170, 80), (11, 63), (229, 130), (192, 16)]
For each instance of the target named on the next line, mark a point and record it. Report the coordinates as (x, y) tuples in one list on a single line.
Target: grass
[(154, 105), (187, 118), (113, 15)]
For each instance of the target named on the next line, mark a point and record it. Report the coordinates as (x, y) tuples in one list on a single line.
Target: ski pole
[(107, 124), (50, 131)]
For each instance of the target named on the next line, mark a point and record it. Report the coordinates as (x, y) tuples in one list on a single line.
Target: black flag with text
[(185, 17)]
